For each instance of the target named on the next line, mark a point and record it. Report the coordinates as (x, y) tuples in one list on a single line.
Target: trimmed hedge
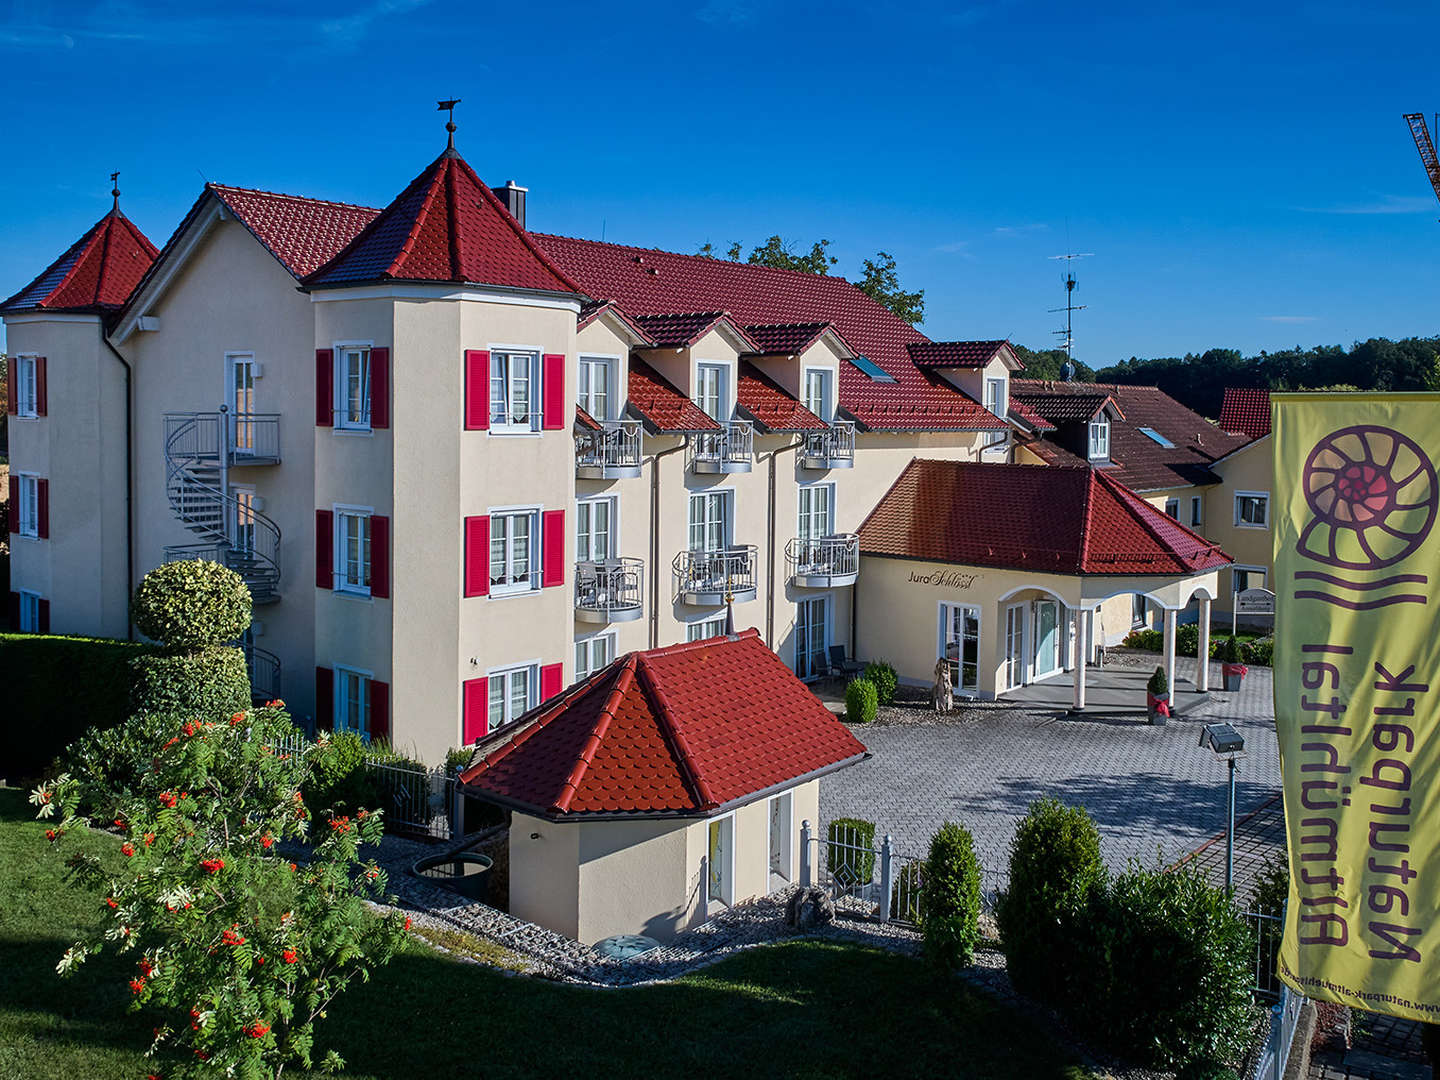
[(204, 684), (882, 674), (950, 897), (1257, 651), (192, 604), (861, 701), (341, 780)]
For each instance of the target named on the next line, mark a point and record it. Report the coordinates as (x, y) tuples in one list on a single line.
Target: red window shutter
[(552, 680), (325, 549), (553, 390), (477, 389), (324, 387), (324, 699), (42, 395), (379, 555), (44, 616), (379, 709), (379, 388), (475, 721), (14, 503), (552, 548), (42, 508), (477, 556)]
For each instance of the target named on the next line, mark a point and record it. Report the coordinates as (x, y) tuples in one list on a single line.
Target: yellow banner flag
[(1357, 696)]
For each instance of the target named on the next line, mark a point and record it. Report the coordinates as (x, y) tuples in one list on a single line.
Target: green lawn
[(802, 1009)]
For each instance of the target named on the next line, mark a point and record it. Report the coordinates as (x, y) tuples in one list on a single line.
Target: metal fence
[(1266, 930), (1284, 1019)]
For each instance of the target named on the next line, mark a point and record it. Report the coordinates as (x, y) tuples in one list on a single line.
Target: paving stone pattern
[(1383, 1048)]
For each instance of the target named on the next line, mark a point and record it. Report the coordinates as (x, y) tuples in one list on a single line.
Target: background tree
[(1046, 364), (882, 284), (780, 255)]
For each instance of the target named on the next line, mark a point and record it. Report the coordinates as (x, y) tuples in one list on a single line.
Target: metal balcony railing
[(833, 448), (729, 451), (824, 561), (611, 453), (249, 438), (712, 577), (264, 668), (609, 590)]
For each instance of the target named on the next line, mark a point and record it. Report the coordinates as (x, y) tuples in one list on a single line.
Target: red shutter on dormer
[(44, 606), (477, 390), (324, 387), (552, 680), (552, 548), (477, 556), (42, 508), (324, 699), (379, 556), (379, 388), (379, 710), (553, 389), (14, 503), (42, 395), (475, 710), (324, 549)]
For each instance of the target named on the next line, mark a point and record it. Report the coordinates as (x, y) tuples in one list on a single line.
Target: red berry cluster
[(167, 799), (231, 937), (213, 866)]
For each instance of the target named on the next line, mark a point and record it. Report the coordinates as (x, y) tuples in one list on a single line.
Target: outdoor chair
[(841, 666)]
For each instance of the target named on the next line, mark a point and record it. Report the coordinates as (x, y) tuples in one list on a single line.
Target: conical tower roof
[(97, 273)]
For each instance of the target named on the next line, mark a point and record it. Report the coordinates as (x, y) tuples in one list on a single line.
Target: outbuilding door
[(1047, 638)]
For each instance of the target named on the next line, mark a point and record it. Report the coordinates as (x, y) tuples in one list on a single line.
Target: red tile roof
[(649, 282), (1029, 415), (767, 403), (1246, 410), (953, 353), (1030, 517), (659, 402), (1059, 406), (97, 273), (786, 339), (446, 226), (678, 330), (303, 234), (585, 421), (684, 730), (593, 309)]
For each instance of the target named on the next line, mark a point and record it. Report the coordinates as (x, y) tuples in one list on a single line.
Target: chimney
[(513, 196)]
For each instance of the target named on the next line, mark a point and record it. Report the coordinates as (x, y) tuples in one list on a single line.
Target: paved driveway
[(1150, 789)]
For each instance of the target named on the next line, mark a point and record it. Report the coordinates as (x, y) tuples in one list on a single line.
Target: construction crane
[(1426, 148)]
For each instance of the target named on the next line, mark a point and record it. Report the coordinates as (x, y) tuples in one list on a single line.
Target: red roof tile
[(953, 353), (585, 421), (1030, 517), (649, 282), (678, 330), (1029, 415), (303, 234), (661, 404), (786, 339), (767, 403), (683, 730), (1059, 406), (446, 226), (97, 273), (593, 309), (1246, 410)]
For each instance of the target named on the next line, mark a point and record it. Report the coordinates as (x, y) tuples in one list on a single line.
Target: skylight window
[(1155, 436), (872, 370)]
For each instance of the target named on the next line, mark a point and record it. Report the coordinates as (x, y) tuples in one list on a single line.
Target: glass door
[(960, 644), (1047, 638), (592, 392), (812, 619), (1015, 646), (244, 538), (817, 392), (242, 402)]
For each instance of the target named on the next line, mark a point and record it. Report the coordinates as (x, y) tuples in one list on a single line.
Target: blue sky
[(1242, 175)]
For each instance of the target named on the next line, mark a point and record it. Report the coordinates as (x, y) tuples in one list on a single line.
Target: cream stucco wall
[(1249, 469)]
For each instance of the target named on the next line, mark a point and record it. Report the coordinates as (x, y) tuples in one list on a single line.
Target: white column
[(1168, 655), (1077, 617), (1202, 657)]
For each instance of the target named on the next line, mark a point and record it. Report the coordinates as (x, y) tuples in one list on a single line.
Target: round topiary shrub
[(1055, 870), (204, 684), (882, 674), (950, 897), (192, 604), (861, 701)]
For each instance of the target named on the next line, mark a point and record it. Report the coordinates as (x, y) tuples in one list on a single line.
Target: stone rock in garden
[(809, 908)]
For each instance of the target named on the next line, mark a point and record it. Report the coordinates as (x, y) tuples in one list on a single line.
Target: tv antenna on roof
[(1066, 334)]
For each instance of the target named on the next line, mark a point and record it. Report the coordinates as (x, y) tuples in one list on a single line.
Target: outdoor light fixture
[(1228, 743)]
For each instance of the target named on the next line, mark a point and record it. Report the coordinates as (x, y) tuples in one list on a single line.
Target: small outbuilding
[(661, 790)]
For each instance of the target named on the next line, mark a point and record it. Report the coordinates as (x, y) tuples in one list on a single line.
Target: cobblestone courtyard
[(1150, 789)]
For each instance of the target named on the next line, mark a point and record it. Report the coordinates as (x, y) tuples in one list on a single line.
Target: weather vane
[(115, 188), (449, 106)]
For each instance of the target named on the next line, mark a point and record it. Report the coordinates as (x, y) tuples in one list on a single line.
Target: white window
[(705, 628), (592, 389), (513, 386), (29, 613), (1246, 577), (1252, 509), (514, 551), (1197, 513), (352, 550), (1172, 508), (592, 654), (1100, 438), (782, 841), (352, 387), (720, 861), (242, 532), (352, 700), (27, 386), (817, 511), (819, 392), (709, 528), (594, 530), (995, 396), (513, 691), (29, 509), (960, 644), (711, 390)]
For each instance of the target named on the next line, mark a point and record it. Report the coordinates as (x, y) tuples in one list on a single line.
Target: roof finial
[(115, 189), (449, 106)]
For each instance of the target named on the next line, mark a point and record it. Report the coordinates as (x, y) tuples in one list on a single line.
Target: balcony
[(264, 668), (823, 562), (833, 448), (611, 452), (609, 590), (729, 451), (708, 578), (248, 438)]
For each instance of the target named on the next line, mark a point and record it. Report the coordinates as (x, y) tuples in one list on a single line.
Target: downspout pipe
[(129, 481), (655, 540), (770, 542)]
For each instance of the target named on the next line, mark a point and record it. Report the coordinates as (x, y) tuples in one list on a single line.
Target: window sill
[(354, 594), (1247, 525), (508, 592), (512, 432), (353, 430)]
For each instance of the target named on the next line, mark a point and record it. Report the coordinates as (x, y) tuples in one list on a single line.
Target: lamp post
[(1228, 743)]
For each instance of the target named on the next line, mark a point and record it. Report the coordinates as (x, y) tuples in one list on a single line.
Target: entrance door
[(781, 821), (960, 644), (242, 402), (811, 618), (1047, 638), (244, 538), (1015, 646)]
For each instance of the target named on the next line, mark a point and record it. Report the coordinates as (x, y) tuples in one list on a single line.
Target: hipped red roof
[(1045, 518), (769, 405), (682, 730), (97, 273), (1246, 410)]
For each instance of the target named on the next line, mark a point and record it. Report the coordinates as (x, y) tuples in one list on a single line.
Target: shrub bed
[(1257, 651), (882, 674), (950, 897), (210, 681)]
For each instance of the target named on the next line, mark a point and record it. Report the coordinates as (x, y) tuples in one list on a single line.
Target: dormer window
[(995, 397), (1100, 438)]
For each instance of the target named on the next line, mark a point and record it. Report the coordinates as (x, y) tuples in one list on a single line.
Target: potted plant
[(1157, 697), (1231, 668)]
